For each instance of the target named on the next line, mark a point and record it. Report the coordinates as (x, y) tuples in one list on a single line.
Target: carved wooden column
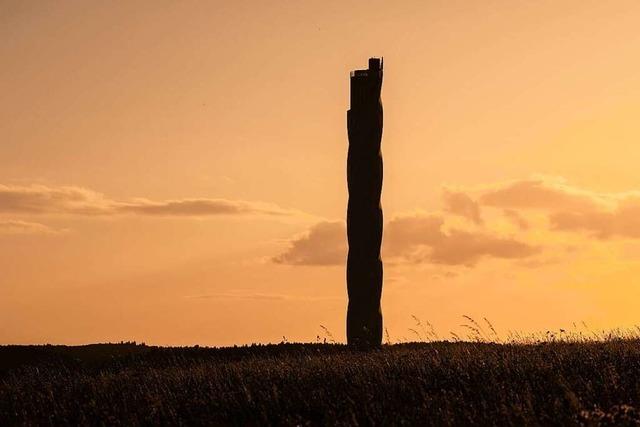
[(364, 213)]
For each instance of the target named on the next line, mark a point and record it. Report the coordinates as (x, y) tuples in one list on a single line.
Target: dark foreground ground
[(433, 384)]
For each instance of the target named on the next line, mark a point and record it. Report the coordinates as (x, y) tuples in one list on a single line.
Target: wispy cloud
[(247, 295), (24, 227), (41, 200), (201, 207)]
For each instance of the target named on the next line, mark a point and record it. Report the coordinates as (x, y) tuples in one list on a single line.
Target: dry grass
[(564, 379)]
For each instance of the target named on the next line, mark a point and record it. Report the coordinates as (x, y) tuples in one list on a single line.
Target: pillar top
[(375, 65)]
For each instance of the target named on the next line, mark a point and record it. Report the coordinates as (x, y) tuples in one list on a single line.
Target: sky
[(175, 172)]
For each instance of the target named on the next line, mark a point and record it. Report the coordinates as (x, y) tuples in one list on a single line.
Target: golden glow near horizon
[(174, 173)]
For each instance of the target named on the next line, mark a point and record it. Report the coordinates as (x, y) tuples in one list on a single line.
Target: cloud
[(467, 248), (569, 208), (323, 244), (516, 218), (201, 207), (24, 227), (623, 221), (460, 203), (423, 238), (245, 295), (543, 192), (39, 199), (403, 233), (433, 238), (419, 238)]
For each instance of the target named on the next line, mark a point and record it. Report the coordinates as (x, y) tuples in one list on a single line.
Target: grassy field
[(440, 383)]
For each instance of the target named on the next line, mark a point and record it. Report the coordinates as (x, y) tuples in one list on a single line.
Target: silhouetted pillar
[(364, 214)]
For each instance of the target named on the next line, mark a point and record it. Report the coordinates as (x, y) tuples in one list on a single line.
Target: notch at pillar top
[(375, 64)]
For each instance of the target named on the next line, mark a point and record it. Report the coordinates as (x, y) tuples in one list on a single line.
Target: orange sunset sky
[(174, 172)]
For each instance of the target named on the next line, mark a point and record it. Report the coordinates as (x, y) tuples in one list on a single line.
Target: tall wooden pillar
[(364, 213)]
